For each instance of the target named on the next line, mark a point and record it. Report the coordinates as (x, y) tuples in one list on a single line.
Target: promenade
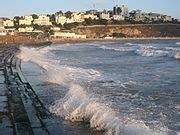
[(21, 111)]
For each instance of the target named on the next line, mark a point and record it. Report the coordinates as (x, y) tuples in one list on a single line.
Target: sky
[(10, 8)]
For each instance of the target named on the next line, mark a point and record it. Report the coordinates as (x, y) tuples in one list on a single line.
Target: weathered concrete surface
[(21, 111), (6, 119)]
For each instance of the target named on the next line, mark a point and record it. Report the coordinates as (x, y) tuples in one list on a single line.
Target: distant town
[(59, 24)]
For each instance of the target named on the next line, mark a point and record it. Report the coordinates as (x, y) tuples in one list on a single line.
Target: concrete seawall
[(21, 111)]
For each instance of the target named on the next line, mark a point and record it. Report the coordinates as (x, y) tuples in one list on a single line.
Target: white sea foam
[(78, 105), (121, 49), (177, 55), (177, 43), (133, 44), (150, 51)]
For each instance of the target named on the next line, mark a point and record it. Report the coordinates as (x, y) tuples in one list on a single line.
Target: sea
[(108, 88)]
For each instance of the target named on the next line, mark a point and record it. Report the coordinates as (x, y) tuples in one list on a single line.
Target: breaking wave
[(133, 44), (177, 55), (78, 105), (150, 51), (177, 43), (121, 49)]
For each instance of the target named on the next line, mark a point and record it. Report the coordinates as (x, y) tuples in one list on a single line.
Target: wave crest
[(77, 105), (150, 51)]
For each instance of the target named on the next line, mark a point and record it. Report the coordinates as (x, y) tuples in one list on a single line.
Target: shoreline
[(35, 42), (72, 41)]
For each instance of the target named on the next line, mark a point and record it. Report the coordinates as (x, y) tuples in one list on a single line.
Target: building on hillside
[(27, 29), (105, 16), (136, 15), (117, 10), (1, 23), (95, 12), (92, 16), (43, 20), (125, 11), (2, 31), (7, 31), (60, 19), (155, 17), (27, 20), (167, 18), (121, 10), (118, 17), (56, 29), (8, 23), (76, 17), (68, 35)]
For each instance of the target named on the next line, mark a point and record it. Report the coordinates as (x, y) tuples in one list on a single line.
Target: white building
[(61, 19), (68, 35), (125, 11), (27, 20), (8, 23), (56, 29), (118, 17), (92, 16), (27, 29), (77, 17), (9, 31), (105, 16), (166, 18), (43, 20), (121, 10), (2, 31)]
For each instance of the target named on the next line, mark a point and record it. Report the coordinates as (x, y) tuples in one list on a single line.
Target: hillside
[(138, 30)]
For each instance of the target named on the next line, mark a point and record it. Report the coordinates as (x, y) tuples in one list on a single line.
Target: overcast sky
[(11, 8)]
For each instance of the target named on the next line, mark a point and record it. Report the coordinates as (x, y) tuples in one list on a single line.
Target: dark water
[(117, 87)]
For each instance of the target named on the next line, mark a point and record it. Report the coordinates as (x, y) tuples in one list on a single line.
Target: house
[(105, 16), (60, 19), (136, 15), (76, 17), (42, 20), (92, 16), (121, 10), (118, 17), (27, 29), (166, 18), (11, 31), (27, 20), (2, 31), (55, 28), (155, 16), (68, 35), (1, 22), (7, 31), (8, 23)]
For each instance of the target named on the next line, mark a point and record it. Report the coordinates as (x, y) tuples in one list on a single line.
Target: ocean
[(114, 88)]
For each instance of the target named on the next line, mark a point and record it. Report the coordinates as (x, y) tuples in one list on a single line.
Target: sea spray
[(78, 105)]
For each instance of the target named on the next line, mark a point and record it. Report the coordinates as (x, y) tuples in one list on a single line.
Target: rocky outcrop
[(158, 30)]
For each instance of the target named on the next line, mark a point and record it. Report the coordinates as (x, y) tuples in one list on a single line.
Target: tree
[(118, 35), (59, 13), (34, 16), (52, 18), (69, 26), (68, 14)]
